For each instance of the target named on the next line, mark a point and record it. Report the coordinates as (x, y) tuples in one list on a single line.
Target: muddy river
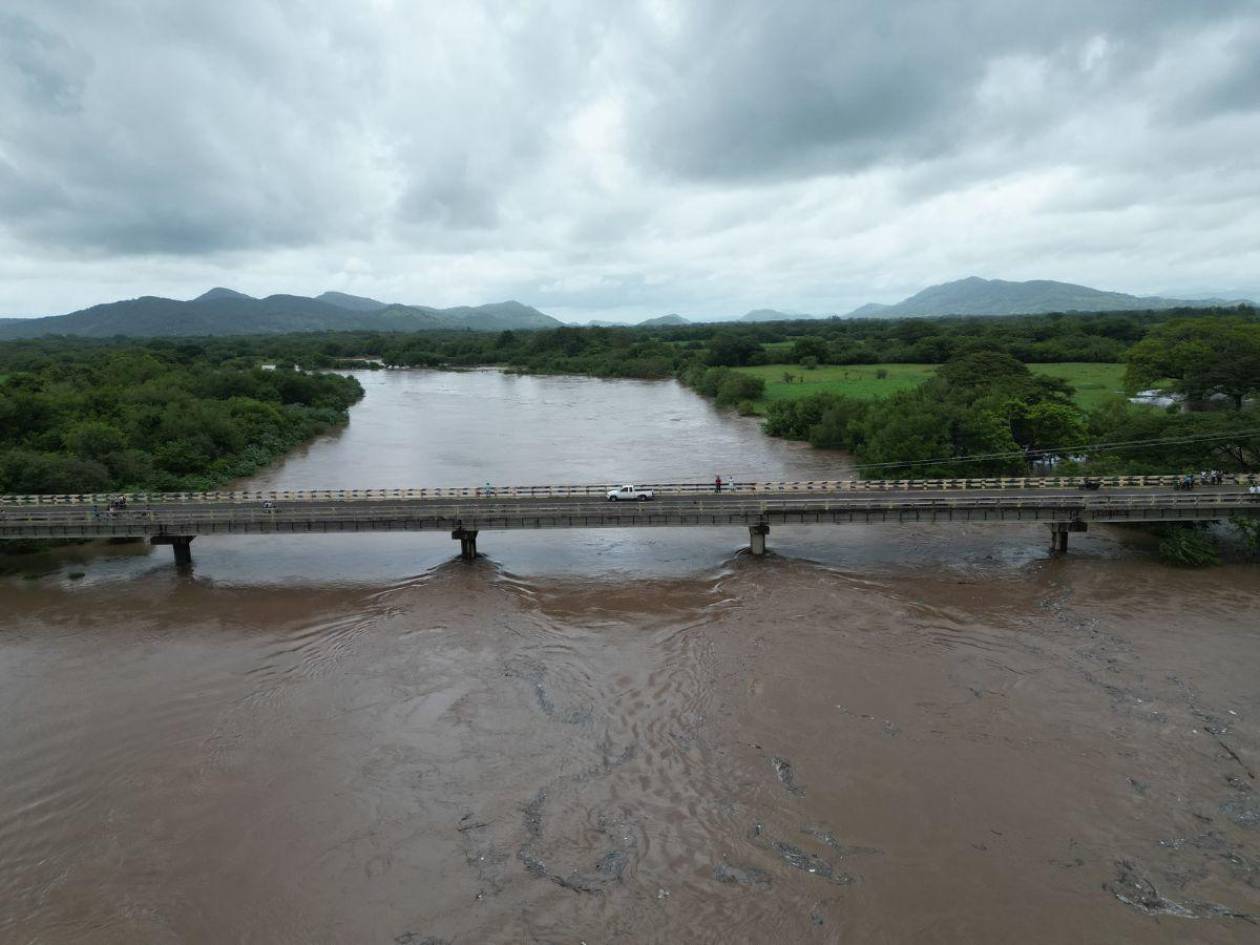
[(873, 734)]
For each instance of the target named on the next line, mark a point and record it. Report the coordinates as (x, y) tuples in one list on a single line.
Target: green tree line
[(80, 418)]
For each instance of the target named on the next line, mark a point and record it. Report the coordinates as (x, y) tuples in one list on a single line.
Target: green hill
[(225, 312)]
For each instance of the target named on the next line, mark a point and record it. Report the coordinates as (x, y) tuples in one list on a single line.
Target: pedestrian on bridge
[(717, 483)]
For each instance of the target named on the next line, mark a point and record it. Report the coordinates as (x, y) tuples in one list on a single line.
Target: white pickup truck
[(630, 494)]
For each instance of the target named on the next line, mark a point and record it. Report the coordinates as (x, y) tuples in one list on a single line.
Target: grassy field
[(852, 380), (1093, 382)]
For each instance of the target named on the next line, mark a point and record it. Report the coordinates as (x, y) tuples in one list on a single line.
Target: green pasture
[(852, 380), (1093, 382)]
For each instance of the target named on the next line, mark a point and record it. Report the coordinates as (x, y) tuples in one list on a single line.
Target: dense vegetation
[(80, 417), (622, 352), (983, 411)]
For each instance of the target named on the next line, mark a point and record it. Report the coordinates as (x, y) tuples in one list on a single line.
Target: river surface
[(874, 734)]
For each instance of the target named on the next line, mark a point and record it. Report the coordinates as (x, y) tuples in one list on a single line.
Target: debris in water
[(533, 814), (1138, 892), (783, 768), (1233, 754), (1241, 813), (466, 824), (741, 875), (798, 859), (612, 864), (826, 836)]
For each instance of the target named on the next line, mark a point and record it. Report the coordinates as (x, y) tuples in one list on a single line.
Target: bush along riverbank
[(986, 414), (135, 417)]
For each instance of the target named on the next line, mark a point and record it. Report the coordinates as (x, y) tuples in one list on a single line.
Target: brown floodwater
[(873, 734)]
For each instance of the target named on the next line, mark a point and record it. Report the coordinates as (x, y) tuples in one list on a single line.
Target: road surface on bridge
[(177, 520), (549, 511)]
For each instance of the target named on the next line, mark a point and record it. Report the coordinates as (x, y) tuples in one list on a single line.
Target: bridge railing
[(191, 519), (491, 491)]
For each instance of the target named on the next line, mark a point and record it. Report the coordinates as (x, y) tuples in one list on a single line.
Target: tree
[(736, 387), (732, 350), (979, 371), (809, 347), (841, 425), (906, 430), (94, 439), (1203, 357), (1048, 425)]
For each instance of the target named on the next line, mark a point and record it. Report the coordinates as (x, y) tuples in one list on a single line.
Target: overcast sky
[(623, 159)]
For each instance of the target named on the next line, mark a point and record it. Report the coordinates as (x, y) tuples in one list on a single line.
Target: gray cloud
[(748, 88), (620, 157)]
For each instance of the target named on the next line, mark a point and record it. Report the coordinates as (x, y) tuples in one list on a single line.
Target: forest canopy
[(76, 418)]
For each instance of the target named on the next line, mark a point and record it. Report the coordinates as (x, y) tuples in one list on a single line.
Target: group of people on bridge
[(1206, 477)]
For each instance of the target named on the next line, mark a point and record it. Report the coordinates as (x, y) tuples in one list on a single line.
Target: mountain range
[(223, 311), (976, 296), (227, 312)]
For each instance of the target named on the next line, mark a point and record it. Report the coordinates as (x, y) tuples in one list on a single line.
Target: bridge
[(1063, 504)]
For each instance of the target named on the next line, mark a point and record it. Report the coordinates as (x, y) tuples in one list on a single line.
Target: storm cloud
[(622, 159)]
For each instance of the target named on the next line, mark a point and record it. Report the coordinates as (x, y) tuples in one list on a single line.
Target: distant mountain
[(356, 303), (771, 315), (671, 319), (869, 310), (218, 293), (224, 312), (976, 296)]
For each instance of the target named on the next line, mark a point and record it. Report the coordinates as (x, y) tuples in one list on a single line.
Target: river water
[(873, 734)]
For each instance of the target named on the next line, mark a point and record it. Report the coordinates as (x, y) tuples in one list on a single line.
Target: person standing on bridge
[(717, 483)]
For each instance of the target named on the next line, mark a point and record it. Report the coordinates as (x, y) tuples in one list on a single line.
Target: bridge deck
[(195, 517)]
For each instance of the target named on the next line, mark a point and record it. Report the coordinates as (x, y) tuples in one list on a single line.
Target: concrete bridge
[(1062, 504)]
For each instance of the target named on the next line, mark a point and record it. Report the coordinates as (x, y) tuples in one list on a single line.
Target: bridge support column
[(1059, 534), (181, 545), (467, 543), (757, 538)]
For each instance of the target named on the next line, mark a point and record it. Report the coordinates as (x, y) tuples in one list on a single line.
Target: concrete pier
[(467, 543), (757, 538), (1059, 535), (181, 545)]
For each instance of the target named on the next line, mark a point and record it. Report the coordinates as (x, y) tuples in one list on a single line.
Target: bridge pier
[(181, 545), (467, 543), (1059, 535), (757, 539)]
